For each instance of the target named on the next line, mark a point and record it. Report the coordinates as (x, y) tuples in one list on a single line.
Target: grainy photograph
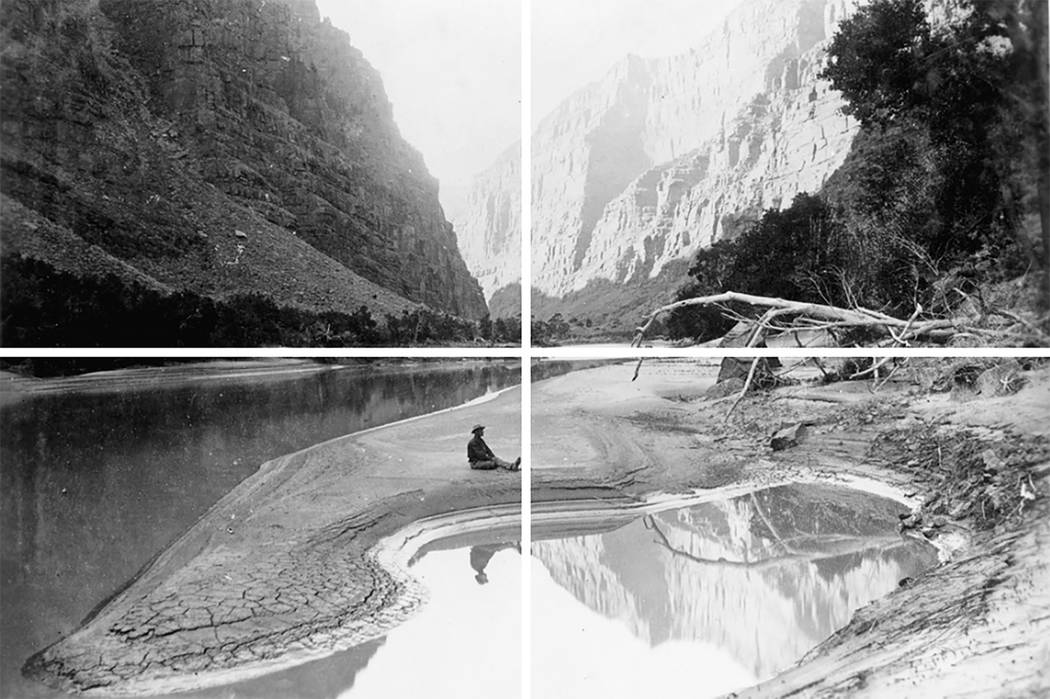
[(260, 528), (791, 528), (251, 173), (871, 167)]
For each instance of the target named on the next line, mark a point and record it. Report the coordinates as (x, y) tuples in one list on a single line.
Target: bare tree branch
[(819, 316), (747, 385)]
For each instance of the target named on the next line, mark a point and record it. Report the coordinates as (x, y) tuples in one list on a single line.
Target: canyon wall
[(219, 146), (489, 225), (664, 156)]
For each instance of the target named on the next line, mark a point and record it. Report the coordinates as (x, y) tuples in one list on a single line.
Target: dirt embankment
[(967, 444)]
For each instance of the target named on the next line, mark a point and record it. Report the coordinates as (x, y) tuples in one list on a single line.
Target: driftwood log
[(817, 316)]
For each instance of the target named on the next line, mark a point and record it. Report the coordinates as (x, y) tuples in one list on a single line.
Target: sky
[(451, 68), (574, 42)]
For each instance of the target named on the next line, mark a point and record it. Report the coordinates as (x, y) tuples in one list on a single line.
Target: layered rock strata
[(662, 157), (211, 144), (489, 227)]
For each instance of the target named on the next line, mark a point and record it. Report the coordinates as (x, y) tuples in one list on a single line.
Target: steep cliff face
[(786, 141), (702, 140), (584, 154), (223, 146), (489, 226)]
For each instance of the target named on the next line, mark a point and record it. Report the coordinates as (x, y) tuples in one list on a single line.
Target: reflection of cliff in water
[(766, 577)]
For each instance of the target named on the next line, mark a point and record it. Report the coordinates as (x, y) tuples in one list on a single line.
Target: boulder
[(788, 437)]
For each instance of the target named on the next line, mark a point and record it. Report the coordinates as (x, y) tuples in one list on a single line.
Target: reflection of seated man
[(481, 457), (481, 555)]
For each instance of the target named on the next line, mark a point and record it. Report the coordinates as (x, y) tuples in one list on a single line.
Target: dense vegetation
[(945, 183), (44, 307)]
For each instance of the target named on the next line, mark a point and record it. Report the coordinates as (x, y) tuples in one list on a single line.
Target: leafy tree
[(876, 59), (43, 307), (485, 328), (558, 327), (967, 97)]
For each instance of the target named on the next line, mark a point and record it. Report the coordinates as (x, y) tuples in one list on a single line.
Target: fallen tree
[(785, 315)]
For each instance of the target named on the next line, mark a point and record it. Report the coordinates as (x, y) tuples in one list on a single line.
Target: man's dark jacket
[(477, 450)]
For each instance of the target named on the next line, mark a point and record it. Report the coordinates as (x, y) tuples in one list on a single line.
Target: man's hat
[(475, 428)]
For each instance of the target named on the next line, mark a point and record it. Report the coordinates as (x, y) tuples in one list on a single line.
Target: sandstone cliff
[(489, 228), (664, 156), (219, 146)]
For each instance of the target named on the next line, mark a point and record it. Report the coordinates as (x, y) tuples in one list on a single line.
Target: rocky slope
[(219, 146), (664, 156), (489, 226)]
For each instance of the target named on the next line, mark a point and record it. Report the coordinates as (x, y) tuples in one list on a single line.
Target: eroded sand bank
[(287, 566), (977, 625)]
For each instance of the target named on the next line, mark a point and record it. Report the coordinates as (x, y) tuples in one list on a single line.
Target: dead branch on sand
[(817, 316), (743, 391)]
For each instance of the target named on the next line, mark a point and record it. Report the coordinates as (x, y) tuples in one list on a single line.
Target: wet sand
[(288, 567), (976, 625)]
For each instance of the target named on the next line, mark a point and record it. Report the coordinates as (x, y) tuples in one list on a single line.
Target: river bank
[(289, 565), (16, 386), (307, 556), (606, 444)]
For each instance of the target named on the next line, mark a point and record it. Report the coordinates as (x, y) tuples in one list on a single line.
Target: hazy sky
[(574, 42), (451, 68)]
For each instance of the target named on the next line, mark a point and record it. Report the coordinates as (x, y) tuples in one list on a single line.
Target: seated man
[(481, 457)]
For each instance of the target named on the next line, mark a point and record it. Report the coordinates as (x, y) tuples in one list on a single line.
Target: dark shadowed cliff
[(220, 147)]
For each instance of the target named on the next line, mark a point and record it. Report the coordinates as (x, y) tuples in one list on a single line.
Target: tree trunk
[(1042, 140)]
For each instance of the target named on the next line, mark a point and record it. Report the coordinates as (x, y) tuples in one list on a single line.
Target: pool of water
[(713, 597), (95, 483), (464, 643)]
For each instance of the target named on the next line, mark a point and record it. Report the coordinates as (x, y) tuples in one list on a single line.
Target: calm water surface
[(465, 643), (714, 597), (94, 484)]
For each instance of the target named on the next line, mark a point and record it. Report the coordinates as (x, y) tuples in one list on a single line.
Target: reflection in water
[(481, 555), (751, 583), (465, 642), (95, 484)]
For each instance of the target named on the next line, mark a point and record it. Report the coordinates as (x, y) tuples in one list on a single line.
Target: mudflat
[(285, 568)]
